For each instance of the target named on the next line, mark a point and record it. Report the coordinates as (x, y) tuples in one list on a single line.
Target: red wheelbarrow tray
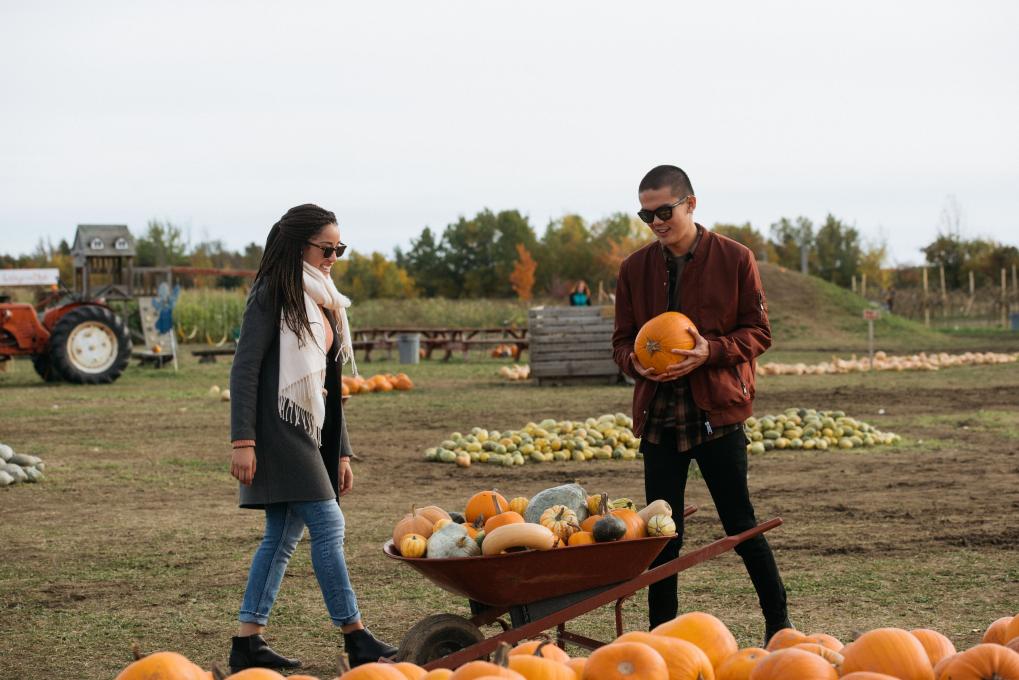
[(527, 576)]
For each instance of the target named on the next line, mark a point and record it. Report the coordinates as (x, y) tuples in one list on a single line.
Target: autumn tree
[(522, 277)]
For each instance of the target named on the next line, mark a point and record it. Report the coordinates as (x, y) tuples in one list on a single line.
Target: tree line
[(500, 255)]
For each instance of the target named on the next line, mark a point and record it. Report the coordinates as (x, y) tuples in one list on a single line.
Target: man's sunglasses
[(327, 251), (663, 212)]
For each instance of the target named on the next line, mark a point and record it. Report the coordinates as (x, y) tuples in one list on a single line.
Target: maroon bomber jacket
[(722, 294)]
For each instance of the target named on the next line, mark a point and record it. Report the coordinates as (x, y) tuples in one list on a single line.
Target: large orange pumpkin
[(411, 670), (705, 631), (502, 519), (866, 675), (1013, 644), (829, 641), (254, 674), (577, 663), (939, 667), (625, 661), (539, 668), (983, 662), (473, 670), (635, 525), (891, 651), (162, 665), (785, 638), (793, 663), (548, 650), (684, 660), (996, 631), (373, 671), (739, 665), (1012, 629), (659, 336), (829, 655), (934, 643), (485, 504), (439, 674)]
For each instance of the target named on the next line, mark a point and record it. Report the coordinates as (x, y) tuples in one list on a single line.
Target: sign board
[(29, 277), (872, 314)]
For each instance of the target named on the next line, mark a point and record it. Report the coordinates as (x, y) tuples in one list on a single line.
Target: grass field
[(135, 534)]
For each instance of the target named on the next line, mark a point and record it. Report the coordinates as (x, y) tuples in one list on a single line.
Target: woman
[(580, 295), (291, 453)]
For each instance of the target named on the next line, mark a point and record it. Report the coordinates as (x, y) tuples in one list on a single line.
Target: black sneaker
[(252, 651)]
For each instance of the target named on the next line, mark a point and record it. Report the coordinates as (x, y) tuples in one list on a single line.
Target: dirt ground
[(135, 535)]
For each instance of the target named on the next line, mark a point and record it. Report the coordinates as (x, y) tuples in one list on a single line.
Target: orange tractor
[(80, 341)]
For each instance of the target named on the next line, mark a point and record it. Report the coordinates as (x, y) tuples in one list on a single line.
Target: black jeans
[(723, 464)]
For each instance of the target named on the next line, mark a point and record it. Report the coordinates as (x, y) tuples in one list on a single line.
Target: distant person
[(580, 295), (695, 410), (890, 299), (291, 453)]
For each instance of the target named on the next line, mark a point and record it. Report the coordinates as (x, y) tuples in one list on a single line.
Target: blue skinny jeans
[(284, 526)]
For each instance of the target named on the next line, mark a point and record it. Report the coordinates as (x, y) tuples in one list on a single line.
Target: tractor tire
[(90, 345), (44, 367)]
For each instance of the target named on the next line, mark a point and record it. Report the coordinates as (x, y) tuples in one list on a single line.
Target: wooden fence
[(571, 345)]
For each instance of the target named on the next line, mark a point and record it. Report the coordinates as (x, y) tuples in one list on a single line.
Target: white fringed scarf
[(303, 366)]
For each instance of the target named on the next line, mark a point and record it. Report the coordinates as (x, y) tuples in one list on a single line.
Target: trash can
[(1014, 318), (408, 344)]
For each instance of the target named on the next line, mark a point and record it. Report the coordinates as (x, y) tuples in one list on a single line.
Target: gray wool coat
[(290, 466)]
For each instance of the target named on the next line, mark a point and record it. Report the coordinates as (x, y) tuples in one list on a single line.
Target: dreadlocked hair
[(281, 269)]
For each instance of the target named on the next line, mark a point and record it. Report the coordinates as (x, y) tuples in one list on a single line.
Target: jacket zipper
[(741, 383)]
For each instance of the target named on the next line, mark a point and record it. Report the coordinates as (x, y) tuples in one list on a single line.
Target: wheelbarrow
[(540, 590)]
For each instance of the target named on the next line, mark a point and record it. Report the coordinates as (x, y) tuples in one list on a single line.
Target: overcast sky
[(218, 116)]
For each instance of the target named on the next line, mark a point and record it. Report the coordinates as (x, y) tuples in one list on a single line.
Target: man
[(695, 410)]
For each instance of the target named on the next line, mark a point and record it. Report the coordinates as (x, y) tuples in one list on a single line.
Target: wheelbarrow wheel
[(436, 636)]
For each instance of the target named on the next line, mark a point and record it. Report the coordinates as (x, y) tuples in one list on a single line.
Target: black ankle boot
[(253, 652), (771, 628), (362, 647)]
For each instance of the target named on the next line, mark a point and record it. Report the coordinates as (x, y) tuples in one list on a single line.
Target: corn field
[(213, 316)]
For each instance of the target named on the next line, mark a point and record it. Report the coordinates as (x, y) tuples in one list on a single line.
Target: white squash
[(661, 525), (452, 540)]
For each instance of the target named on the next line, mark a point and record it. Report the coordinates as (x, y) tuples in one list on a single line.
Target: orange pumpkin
[(412, 524), (1013, 644), (705, 631), (829, 641), (439, 674), (983, 662), (502, 519), (934, 643), (996, 631), (684, 660), (432, 512), (539, 668), (785, 638), (581, 538), (793, 663), (1012, 629), (485, 504), (891, 651), (829, 655), (540, 648), (371, 671), (659, 336), (412, 671), (497, 667), (635, 525), (251, 674), (162, 665), (577, 663), (939, 667), (867, 675), (739, 665), (625, 661)]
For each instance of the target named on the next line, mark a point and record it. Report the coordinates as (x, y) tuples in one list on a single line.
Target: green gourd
[(608, 528)]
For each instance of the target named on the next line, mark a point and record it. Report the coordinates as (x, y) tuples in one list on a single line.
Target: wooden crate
[(571, 345)]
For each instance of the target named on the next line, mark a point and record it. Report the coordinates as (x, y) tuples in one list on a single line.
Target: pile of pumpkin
[(506, 351), (812, 429), (560, 517), (693, 646), (515, 372), (19, 467), (883, 362), (380, 382), (607, 437)]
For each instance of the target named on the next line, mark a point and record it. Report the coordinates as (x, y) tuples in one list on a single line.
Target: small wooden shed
[(571, 345), (103, 261)]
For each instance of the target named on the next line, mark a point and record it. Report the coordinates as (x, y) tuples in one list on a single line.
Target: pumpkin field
[(134, 535)]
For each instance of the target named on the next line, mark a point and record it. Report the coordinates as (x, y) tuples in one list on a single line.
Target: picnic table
[(447, 339)]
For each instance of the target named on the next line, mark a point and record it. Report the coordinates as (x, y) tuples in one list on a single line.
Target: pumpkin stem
[(537, 651), (136, 651), (217, 674), (501, 656), (603, 505)]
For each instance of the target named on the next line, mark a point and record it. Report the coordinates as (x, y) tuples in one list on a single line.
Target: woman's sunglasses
[(663, 212), (327, 251)]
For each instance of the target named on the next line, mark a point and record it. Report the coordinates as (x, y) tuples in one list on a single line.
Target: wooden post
[(863, 285), (854, 283), (972, 294), (1015, 282), (1004, 300), (944, 293), (926, 302)]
